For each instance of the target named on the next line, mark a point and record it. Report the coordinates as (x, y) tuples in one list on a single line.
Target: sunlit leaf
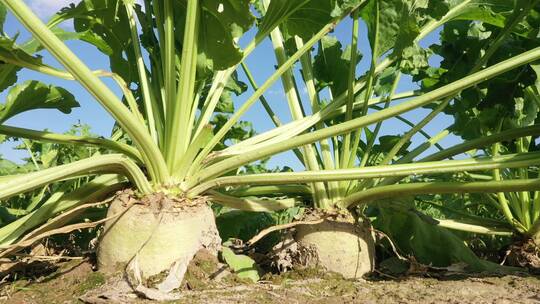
[(33, 95), (222, 23), (11, 53), (303, 18), (104, 24)]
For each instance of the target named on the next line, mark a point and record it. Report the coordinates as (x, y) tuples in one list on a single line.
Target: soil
[(76, 278)]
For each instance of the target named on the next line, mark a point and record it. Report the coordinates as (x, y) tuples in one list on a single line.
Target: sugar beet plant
[(177, 63), (506, 102)]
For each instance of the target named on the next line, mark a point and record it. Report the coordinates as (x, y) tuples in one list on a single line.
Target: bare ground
[(73, 279)]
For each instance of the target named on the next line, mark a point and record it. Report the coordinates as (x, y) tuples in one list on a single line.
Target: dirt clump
[(524, 254)]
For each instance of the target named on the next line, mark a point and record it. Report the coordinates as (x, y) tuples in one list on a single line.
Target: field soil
[(69, 281)]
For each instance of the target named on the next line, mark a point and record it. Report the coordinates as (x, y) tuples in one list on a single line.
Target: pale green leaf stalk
[(143, 77), (372, 194), (111, 163), (309, 78), (320, 194), (179, 135), (234, 119), (251, 204), (61, 201), (150, 151), (343, 128), (45, 136), (438, 167)]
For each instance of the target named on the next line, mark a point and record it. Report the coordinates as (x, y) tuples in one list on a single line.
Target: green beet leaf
[(332, 64), (244, 266), (418, 235), (33, 95)]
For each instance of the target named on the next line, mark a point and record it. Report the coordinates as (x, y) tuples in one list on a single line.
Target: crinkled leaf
[(526, 112), (11, 52), (387, 142), (481, 109), (233, 86), (530, 27), (430, 76), (395, 28), (310, 18), (303, 17), (331, 65), (385, 81), (435, 9), (462, 44), (240, 131), (33, 95), (104, 24), (34, 46), (244, 266), (400, 21), (497, 13), (225, 104), (278, 11), (8, 75), (536, 69), (493, 12), (222, 22), (49, 159), (414, 59)]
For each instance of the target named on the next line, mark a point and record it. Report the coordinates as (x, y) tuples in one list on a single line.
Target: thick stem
[(467, 227), (272, 190), (346, 148), (296, 127), (483, 142), (169, 56), (500, 195)]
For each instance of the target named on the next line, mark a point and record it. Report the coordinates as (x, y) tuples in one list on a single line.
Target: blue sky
[(261, 62)]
